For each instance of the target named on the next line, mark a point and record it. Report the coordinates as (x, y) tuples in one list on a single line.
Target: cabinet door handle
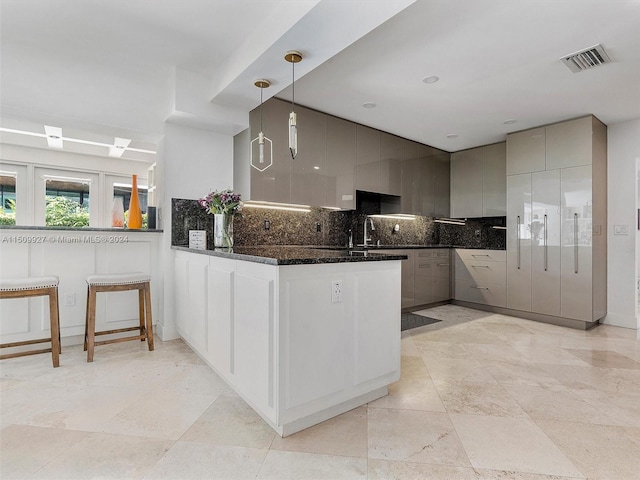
[(575, 241), (443, 265), (546, 257), (478, 255), (518, 239), (480, 288), (480, 266), (424, 265)]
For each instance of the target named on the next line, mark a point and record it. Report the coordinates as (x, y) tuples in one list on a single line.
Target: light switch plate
[(621, 229)]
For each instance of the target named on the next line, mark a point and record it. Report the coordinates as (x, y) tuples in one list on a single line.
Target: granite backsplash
[(332, 228)]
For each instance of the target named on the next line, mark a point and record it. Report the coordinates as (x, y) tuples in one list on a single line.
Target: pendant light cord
[(261, 108), (293, 85)]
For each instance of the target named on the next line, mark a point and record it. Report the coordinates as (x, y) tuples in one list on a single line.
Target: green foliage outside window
[(8, 215), (65, 212)]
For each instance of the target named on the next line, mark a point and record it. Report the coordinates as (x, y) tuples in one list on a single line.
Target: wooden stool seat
[(35, 287), (118, 282)]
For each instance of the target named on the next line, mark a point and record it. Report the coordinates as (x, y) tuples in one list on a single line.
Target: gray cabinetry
[(556, 225), (340, 164), (308, 169), (367, 159), (274, 184), (526, 151), (425, 180), (478, 182), (390, 164), (494, 180), (466, 183)]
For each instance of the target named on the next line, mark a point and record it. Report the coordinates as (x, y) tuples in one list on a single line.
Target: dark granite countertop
[(76, 229), (294, 255)]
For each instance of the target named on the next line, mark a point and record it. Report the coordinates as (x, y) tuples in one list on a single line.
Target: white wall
[(191, 162), (623, 153)]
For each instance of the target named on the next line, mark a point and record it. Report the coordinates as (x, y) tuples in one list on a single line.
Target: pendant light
[(293, 57), (262, 151)]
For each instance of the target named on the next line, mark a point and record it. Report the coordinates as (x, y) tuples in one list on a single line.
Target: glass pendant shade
[(293, 135), (261, 146), (293, 57)]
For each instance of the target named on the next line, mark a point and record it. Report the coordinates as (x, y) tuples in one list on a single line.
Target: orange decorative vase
[(135, 215)]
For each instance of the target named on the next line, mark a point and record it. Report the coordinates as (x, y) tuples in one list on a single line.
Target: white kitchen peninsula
[(264, 320)]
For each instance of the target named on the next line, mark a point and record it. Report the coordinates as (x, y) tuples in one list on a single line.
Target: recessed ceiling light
[(369, 105), (315, 167), (452, 135), (510, 121), (431, 79)]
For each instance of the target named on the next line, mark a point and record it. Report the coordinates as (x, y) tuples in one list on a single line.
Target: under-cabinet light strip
[(397, 216), (278, 206)]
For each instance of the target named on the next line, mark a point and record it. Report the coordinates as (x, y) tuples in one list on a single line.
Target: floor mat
[(411, 320)]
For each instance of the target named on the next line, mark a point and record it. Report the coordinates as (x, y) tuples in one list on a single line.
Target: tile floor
[(482, 396)]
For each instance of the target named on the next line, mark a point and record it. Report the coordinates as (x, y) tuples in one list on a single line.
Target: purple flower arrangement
[(224, 201)]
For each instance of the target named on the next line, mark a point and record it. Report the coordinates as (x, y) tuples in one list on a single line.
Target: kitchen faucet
[(367, 239)]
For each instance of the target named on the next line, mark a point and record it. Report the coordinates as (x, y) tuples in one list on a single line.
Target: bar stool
[(35, 287), (118, 282)]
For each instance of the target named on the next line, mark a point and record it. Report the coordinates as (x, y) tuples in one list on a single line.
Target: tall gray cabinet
[(556, 222)]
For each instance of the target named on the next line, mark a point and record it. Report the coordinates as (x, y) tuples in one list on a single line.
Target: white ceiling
[(124, 67)]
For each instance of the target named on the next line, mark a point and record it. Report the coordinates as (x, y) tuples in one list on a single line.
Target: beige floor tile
[(622, 382), (412, 436), (415, 394), (281, 465), (483, 474), (489, 353), (508, 373), (159, 414), (105, 456), (549, 356), (407, 346), (199, 461), (25, 449), (605, 359), (621, 410), (25, 398), (478, 399), (441, 349), (85, 407), (599, 451), (456, 370), (344, 435), (230, 421), (412, 368), (197, 380), (389, 470), (518, 444)]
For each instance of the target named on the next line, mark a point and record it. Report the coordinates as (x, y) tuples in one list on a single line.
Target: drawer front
[(481, 271), (424, 253), (482, 255), (487, 294), (442, 269), (442, 253)]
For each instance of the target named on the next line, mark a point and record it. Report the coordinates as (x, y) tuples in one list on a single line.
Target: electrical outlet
[(267, 224), (478, 232), (69, 299), (318, 227), (336, 291)]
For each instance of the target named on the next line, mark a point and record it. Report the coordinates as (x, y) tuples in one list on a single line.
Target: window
[(65, 198), (67, 202), (7, 198)]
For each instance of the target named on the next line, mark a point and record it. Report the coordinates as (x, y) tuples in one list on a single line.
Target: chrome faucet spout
[(367, 239)]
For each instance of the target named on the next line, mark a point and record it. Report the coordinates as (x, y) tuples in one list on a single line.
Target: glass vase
[(117, 213), (222, 230), (135, 214)]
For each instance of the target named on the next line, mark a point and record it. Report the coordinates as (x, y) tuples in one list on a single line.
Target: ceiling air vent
[(585, 59)]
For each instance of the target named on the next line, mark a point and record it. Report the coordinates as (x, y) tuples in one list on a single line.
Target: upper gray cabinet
[(425, 180), (340, 164), (367, 159), (309, 169), (478, 182), (337, 157), (569, 144), (466, 183), (526, 151), (390, 164), (494, 180), (274, 184)]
